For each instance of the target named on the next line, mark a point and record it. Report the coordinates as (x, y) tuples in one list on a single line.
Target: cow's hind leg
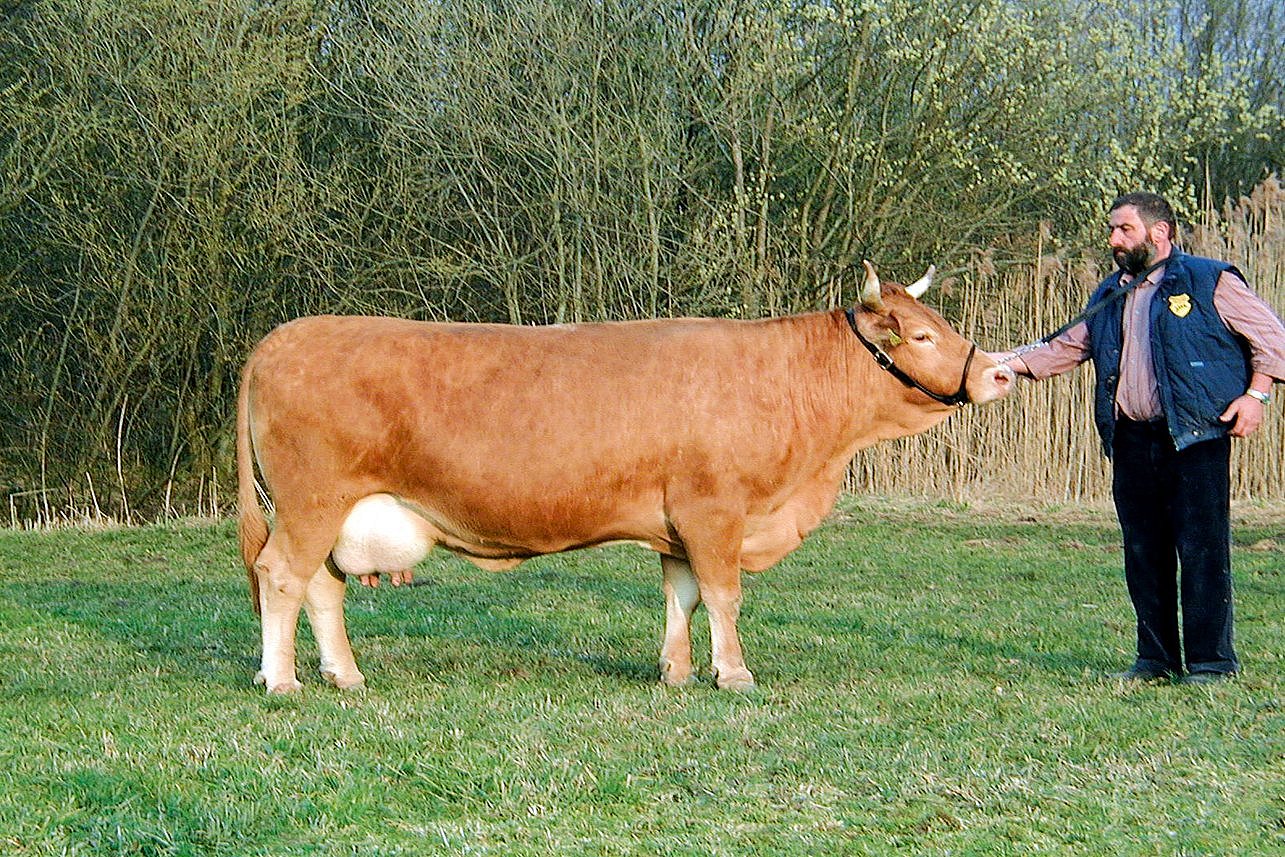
[(324, 601), (285, 568), (682, 594)]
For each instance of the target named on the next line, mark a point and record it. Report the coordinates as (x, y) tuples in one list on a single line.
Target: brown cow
[(718, 444)]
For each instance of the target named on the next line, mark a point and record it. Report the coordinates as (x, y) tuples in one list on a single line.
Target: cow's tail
[(252, 525)]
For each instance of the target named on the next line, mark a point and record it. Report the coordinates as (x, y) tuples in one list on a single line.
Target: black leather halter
[(959, 397)]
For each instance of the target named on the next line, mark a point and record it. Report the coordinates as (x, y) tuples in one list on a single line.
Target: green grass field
[(931, 682)]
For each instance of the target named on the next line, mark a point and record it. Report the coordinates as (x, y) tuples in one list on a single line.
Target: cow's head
[(920, 347)]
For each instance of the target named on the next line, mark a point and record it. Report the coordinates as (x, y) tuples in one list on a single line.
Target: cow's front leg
[(324, 602), (682, 594), (715, 559), (723, 602)]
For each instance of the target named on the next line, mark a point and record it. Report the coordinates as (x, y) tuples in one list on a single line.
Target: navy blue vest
[(1200, 365)]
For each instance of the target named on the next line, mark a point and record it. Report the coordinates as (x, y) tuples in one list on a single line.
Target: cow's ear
[(877, 324), (887, 332), (880, 327)]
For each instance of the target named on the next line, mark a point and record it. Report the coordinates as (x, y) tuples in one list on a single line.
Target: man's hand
[(1245, 415), (1010, 359)]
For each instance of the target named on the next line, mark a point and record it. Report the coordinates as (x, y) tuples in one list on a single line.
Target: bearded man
[(1185, 355)]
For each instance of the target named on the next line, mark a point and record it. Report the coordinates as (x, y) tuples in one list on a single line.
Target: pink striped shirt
[(1138, 396)]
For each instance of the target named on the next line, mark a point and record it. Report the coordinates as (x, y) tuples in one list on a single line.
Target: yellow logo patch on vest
[(1180, 305)]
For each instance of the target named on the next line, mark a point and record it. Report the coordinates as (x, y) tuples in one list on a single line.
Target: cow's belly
[(766, 547), (385, 534)]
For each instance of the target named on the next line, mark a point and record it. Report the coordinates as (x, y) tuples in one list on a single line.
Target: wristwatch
[(1258, 394)]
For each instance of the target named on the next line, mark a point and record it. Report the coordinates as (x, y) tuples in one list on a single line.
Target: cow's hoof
[(356, 681), (675, 681), (280, 688), (675, 676), (740, 681), (285, 688)]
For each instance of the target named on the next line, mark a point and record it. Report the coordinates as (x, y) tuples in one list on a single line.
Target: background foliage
[(177, 176)]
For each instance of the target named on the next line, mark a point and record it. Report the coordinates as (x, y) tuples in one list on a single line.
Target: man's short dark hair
[(1152, 208)]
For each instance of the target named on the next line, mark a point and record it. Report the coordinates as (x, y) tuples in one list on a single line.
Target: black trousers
[(1175, 511)]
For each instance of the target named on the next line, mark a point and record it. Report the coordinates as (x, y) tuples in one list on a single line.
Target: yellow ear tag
[(894, 339)]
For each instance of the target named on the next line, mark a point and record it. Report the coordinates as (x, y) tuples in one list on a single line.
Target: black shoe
[(1206, 677), (1142, 674)]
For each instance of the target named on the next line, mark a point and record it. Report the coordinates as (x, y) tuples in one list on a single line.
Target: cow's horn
[(872, 291), (916, 290)]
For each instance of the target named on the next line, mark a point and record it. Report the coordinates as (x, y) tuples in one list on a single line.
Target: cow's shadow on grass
[(596, 613), (460, 622), (552, 614)]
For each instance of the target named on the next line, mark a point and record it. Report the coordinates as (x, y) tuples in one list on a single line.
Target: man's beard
[(1135, 261)]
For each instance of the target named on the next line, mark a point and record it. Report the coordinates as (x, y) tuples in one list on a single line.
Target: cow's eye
[(921, 336)]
